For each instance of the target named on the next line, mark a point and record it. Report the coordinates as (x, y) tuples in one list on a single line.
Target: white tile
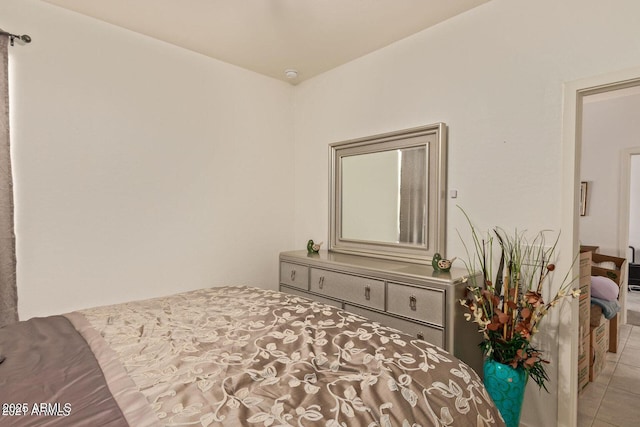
[(626, 378), (607, 372), (631, 357), (625, 330), (614, 357), (600, 423), (618, 408), (612, 401), (634, 338), (633, 301), (590, 398), (584, 420)]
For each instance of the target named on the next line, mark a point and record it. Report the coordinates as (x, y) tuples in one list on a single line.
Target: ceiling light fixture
[(291, 73)]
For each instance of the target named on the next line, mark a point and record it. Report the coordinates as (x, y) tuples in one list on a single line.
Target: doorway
[(575, 92), (633, 296), (609, 144)]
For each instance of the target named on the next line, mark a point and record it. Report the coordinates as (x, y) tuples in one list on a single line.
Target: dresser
[(406, 296)]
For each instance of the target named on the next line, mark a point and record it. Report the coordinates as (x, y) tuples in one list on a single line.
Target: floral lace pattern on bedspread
[(245, 356)]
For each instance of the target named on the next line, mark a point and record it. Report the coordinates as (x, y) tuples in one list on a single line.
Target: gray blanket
[(50, 378)]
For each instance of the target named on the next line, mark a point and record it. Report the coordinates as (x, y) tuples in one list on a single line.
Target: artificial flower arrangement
[(509, 310)]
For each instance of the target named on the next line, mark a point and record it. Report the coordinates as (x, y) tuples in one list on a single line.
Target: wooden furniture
[(410, 297), (617, 274), (586, 248)]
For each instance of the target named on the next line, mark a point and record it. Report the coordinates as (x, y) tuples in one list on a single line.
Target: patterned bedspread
[(243, 356)]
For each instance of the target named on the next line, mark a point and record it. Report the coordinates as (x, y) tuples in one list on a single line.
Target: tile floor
[(633, 301), (613, 400)]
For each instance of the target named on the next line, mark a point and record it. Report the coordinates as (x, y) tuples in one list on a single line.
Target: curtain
[(8, 290)]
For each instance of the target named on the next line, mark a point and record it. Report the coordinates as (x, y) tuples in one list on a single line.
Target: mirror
[(387, 194)]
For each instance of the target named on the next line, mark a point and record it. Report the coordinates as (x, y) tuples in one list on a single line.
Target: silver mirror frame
[(435, 138)]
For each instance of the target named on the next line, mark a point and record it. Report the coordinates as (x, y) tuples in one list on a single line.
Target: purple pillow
[(604, 288)]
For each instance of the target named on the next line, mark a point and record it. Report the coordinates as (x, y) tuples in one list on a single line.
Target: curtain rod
[(25, 38)]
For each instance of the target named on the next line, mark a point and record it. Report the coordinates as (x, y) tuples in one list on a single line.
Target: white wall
[(610, 125), (495, 75), (141, 169)]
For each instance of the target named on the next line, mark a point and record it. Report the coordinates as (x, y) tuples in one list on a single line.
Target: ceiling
[(271, 36)]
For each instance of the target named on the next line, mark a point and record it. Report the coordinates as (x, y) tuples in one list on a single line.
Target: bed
[(230, 356)]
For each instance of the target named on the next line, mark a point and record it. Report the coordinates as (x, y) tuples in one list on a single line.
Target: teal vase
[(506, 387)]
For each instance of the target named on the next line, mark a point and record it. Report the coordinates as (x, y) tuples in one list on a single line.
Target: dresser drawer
[(355, 289), (422, 304), (423, 332), (312, 297), (294, 275)]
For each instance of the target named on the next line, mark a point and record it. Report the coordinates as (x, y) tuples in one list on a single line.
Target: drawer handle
[(367, 292), (420, 336), (293, 275), (321, 282), (413, 303)]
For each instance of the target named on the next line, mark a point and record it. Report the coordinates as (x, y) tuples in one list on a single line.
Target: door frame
[(574, 93), (624, 205)]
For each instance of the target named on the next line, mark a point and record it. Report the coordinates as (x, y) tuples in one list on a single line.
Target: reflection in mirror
[(387, 194), (384, 197)]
